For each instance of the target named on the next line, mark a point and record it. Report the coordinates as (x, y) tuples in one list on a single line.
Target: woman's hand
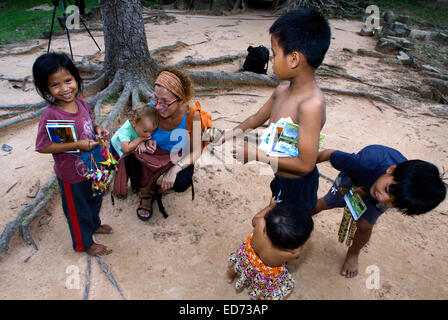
[(169, 177), (151, 146)]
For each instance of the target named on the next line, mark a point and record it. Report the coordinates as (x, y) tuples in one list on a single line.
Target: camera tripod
[(56, 4)]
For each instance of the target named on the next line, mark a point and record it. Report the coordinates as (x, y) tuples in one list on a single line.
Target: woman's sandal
[(143, 207)]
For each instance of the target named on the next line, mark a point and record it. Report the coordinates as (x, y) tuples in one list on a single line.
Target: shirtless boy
[(299, 41)]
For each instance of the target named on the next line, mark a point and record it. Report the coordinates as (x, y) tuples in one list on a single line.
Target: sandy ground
[(184, 256)]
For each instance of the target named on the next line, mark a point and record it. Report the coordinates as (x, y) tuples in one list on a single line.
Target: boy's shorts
[(335, 199), (300, 192)]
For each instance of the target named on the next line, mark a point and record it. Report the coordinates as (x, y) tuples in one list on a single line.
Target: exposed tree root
[(435, 75), (220, 78), (12, 226), (113, 88), (145, 91), (13, 114), (227, 94), (124, 98), (323, 71), (17, 120), (363, 94), (106, 270), (89, 67), (26, 51), (135, 96), (208, 62), (212, 88), (158, 17), (85, 59), (26, 222), (25, 79), (88, 271), (24, 106), (168, 49), (97, 84)]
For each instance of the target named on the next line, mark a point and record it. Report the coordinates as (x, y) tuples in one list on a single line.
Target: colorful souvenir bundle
[(101, 173), (353, 210), (347, 228)]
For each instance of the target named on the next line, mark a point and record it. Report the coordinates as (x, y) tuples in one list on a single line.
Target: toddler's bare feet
[(230, 274), (104, 229), (97, 249)]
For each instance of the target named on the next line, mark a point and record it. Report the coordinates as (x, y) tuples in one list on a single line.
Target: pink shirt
[(67, 167)]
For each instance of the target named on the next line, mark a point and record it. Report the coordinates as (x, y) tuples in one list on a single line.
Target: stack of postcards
[(280, 139), (62, 131)]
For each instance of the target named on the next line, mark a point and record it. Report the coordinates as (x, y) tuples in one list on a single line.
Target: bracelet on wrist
[(181, 165)]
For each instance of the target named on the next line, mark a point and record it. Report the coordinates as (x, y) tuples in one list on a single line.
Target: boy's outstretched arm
[(252, 122), (324, 155)]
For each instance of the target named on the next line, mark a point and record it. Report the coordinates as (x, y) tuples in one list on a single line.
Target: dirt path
[(184, 256)]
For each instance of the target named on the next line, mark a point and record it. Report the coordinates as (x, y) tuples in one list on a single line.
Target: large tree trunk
[(125, 41)]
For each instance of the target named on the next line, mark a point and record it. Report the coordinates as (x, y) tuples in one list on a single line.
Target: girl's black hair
[(288, 227), (418, 187), (49, 63)]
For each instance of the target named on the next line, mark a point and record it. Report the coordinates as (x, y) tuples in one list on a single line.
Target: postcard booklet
[(280, 139), (62, 131), (355, 204)]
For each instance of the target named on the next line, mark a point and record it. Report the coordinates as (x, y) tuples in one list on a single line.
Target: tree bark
[(125, 41)]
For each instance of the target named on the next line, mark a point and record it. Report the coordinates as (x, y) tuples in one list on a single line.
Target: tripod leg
[(65, 24), (51, 30), (88, 31)]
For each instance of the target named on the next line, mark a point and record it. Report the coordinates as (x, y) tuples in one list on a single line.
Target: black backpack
[(257, 59)]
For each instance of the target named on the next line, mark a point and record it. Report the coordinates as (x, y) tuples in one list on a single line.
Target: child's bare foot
[(104, 229), (350, 267), (230, 274), (97, 249)]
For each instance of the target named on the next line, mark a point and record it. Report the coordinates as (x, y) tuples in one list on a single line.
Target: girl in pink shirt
[(58, 81)]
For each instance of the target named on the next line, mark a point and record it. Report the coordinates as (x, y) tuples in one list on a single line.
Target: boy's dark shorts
[(300, 192), (335, 199)]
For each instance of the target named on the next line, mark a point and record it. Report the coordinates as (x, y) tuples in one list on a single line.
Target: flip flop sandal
[(143, 207)]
